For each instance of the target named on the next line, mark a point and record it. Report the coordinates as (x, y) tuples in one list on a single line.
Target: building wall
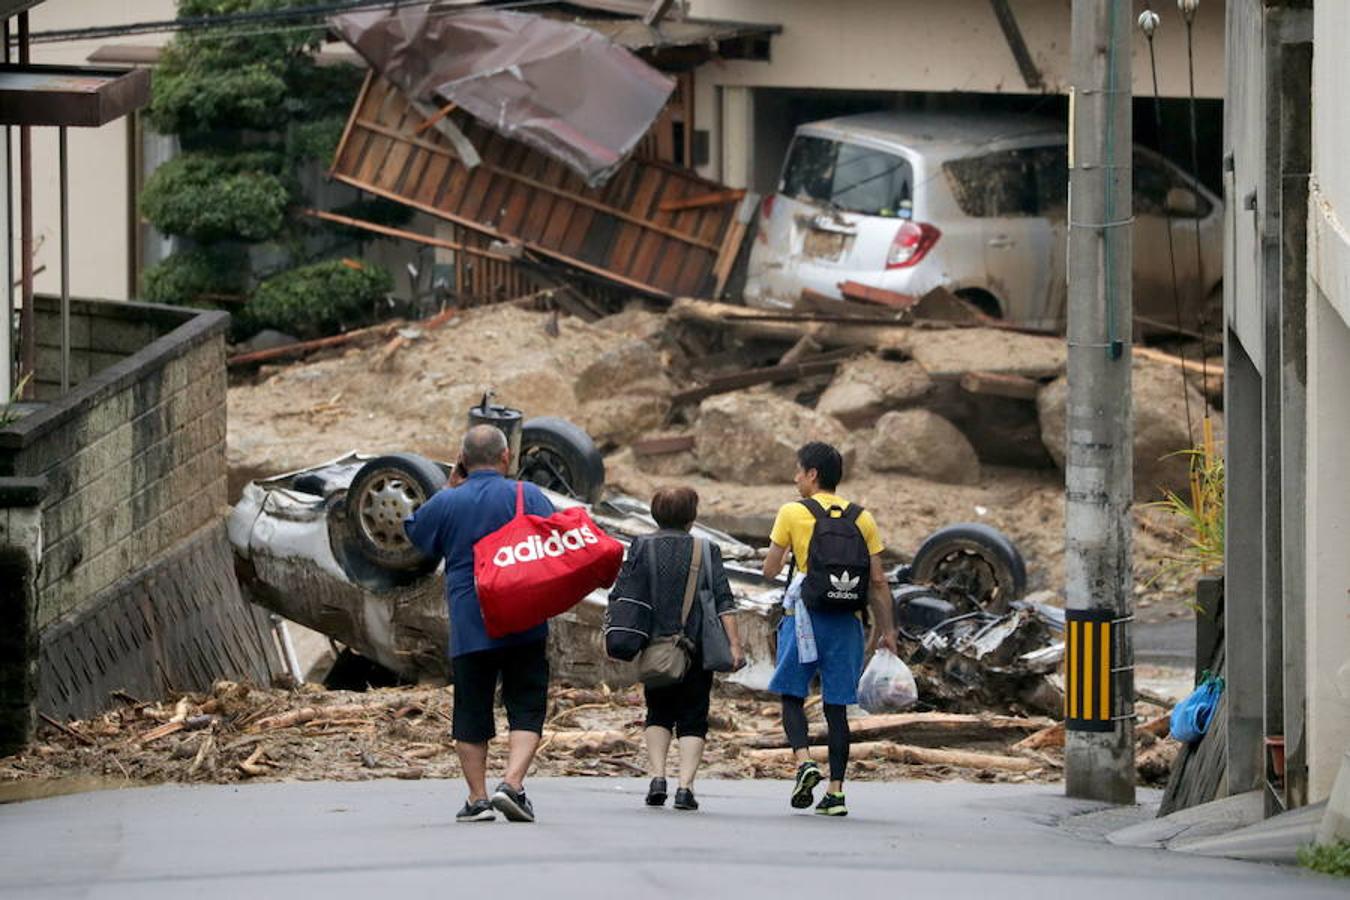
[(99, 234), (920, 46), (1328, 511)]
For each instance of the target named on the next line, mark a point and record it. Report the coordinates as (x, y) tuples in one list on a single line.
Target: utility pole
[(1099, 475)]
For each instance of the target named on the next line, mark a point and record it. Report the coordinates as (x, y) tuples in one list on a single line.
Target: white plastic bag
[(887, 685)]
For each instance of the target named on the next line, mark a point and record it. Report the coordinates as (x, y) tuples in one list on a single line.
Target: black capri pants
[(682, 707), (523, 670)]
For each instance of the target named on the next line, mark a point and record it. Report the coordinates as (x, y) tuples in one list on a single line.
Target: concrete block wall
[(101, 335), (134, 457)]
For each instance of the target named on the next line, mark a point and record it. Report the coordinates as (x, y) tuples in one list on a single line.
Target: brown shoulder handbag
[(666, 659)]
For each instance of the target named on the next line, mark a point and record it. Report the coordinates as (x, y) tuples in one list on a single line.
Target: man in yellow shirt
[(823, 642)]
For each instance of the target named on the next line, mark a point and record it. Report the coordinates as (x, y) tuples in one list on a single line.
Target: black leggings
[(836, 718)]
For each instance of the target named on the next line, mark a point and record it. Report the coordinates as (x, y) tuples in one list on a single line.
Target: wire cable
[(1148, 30), (1188, 8), (204, 24)]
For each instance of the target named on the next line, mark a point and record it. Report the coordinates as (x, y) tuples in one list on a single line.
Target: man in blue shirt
[(448, 525)]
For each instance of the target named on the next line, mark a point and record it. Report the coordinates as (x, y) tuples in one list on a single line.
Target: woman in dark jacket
[(680, 709)]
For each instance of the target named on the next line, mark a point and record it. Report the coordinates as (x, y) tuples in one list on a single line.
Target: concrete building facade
[(1287, 349)]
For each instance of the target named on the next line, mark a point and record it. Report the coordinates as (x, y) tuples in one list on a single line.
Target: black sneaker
[(512, 803), (808, 776), (832, 804), (476, 811), (684, 799), (656, 792)]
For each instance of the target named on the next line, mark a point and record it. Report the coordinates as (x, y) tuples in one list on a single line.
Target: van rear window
[(849, 177)]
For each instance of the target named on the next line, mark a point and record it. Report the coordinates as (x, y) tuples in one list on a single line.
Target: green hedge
[(210, 197), (317, 300), (316, 140), (185, 277)]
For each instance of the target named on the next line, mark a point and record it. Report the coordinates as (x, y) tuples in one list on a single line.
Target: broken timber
[(904, 753), (926, 729), (619, 232), (820, 365)]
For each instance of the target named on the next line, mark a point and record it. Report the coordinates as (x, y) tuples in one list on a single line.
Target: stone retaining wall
[(133, 461)]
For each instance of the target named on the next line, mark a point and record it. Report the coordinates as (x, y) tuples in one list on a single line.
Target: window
[(1012, 183), (849, 177)]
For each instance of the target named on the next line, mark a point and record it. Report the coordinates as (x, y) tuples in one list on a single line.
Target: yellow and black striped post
[(1089, 688)]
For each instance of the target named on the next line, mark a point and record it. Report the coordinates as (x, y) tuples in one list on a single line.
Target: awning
[(560, 88), (77, 96)]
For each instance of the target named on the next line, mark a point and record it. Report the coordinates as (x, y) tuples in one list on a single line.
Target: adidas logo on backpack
[(844, 587), (837, 560)]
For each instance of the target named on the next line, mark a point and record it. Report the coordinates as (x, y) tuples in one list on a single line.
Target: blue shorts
[(839, 658)]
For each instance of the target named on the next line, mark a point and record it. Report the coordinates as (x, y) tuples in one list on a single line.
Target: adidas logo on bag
[(536, 548), (845, 587)]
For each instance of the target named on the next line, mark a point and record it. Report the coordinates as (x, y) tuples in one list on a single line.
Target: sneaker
[(476, 811), (684, 799), (832, 804), (512, 803), (808, 776), (656, 792)]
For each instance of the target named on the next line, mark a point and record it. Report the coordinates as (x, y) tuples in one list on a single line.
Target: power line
[(193, 23), (222, 22)]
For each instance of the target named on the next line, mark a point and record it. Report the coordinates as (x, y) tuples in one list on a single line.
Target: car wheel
[(557, 455), (973, 561), (385, 491)]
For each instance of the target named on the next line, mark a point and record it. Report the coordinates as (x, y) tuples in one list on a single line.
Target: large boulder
[(866, 387), (1159, 426), (617, 371), (536, 391), (622, 418), (922, 443), (752, 438)]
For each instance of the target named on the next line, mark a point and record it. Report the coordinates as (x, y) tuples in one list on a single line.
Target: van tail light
[(911, 244), (765, 211)]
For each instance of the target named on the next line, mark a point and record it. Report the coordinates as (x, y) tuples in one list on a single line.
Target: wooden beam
[(441, 113), (403, 235), (903, 753), (661, 446), (698, 201), (993, 384), (395, 134), (853, 290), (351, 121), (1013, 35), (479, 227), (1186, 365), (820, 365), (300, 348)]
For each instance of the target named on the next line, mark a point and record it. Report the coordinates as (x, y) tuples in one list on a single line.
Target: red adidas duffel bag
[(535, 567)]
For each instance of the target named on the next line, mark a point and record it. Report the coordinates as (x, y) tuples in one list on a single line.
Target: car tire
[(384, 492), (557, 455), (973, 560)]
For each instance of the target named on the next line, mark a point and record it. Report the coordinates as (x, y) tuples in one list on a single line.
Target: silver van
[(972, 202)]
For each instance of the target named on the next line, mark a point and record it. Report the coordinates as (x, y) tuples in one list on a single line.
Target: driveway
[(398, 839)]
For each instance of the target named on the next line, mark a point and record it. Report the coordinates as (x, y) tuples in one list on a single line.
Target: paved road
[(398, 839)]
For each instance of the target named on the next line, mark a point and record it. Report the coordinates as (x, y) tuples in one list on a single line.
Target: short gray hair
[(483, 446)]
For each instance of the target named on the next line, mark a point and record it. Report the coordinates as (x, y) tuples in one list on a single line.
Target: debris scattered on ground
[(622, 378), (242, 733)]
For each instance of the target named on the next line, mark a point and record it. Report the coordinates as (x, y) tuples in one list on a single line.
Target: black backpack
[(838, 566)]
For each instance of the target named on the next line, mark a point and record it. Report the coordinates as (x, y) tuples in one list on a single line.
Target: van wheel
[(557, 455), (973, 561)]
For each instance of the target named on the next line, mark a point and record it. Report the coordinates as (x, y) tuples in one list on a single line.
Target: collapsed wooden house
[(520, 205)]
